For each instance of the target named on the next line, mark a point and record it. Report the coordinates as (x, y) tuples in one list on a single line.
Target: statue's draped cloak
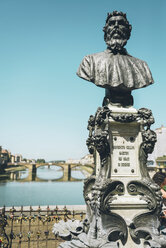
[(120, 71)]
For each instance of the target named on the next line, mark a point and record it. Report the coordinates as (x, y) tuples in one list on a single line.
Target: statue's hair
[(159, 177), (116, 13)]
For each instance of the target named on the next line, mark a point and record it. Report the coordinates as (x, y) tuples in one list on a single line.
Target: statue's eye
[(112, 22), (121, 22)]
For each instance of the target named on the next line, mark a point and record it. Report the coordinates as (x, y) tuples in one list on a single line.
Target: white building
[(72, 161), (160, 146), (87, 159), (17, 158)]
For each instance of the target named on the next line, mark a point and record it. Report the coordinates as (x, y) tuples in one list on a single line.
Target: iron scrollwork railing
[(27, 226)]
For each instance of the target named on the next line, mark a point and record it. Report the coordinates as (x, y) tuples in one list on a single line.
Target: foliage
[(40, 160)]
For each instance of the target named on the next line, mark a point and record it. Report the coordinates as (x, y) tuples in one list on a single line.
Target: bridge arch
[(67, 167)]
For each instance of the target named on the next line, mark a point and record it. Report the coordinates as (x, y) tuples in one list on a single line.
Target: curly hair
[(116, 13), (159, 177)]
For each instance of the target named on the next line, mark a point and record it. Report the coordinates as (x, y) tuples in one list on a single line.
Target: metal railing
[(32, 228)]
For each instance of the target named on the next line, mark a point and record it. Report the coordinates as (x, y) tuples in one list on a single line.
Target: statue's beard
[(116, 40)]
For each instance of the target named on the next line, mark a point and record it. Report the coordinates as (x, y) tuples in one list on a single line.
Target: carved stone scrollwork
[(109, 191), (91, 125), (83, 241), (88, 184), (90, 145), (116, 227), (102, 115), (113, 224), (98, 139), (143, 225), (101, 230), (149, 139), (157, 241), (102, 146), (90, 140), (95, 123), (151, 236), (125, 118), (96, 198), (146, 117), (145, 191)]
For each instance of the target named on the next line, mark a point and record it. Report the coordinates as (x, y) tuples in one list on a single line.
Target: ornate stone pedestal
[(123, 203)]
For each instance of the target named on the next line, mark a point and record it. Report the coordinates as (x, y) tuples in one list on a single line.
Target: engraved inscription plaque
[(124, 157)]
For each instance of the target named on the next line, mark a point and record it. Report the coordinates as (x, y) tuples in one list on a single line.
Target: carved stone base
[(123, 203)]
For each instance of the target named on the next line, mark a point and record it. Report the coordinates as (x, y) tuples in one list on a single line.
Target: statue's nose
[(116, 24)]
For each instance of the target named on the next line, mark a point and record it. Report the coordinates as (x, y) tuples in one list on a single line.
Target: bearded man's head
[(116, 30)]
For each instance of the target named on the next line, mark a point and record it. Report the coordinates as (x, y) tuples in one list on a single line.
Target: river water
[(47, 192)]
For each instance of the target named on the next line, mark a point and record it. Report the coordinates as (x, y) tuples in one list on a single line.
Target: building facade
[(160, 146)]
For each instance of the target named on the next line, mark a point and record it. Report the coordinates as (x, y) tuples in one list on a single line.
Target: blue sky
[(44, 105)]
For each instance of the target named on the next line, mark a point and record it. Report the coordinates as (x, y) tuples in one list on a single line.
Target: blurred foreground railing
[(31, 227)]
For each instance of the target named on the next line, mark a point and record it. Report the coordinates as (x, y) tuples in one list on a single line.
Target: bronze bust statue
[(114, 69)]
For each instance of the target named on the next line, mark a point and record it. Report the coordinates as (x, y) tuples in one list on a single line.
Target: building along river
[(44, 190)]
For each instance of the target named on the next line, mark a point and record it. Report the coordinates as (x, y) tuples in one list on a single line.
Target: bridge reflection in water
[(65, 169)]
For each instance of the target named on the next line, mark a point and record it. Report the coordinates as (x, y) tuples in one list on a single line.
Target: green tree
[(40, 160)]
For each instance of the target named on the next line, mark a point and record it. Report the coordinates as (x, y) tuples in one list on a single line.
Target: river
[(47, 192)]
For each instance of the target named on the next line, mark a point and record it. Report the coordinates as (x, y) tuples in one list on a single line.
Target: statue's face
[(117, 33), (117, 27)]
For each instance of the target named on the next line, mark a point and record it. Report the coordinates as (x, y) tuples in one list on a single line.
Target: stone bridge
[(32, 175)]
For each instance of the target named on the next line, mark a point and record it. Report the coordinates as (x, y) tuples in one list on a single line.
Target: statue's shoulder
[(86, 68), (137, 60), (95, 56)]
